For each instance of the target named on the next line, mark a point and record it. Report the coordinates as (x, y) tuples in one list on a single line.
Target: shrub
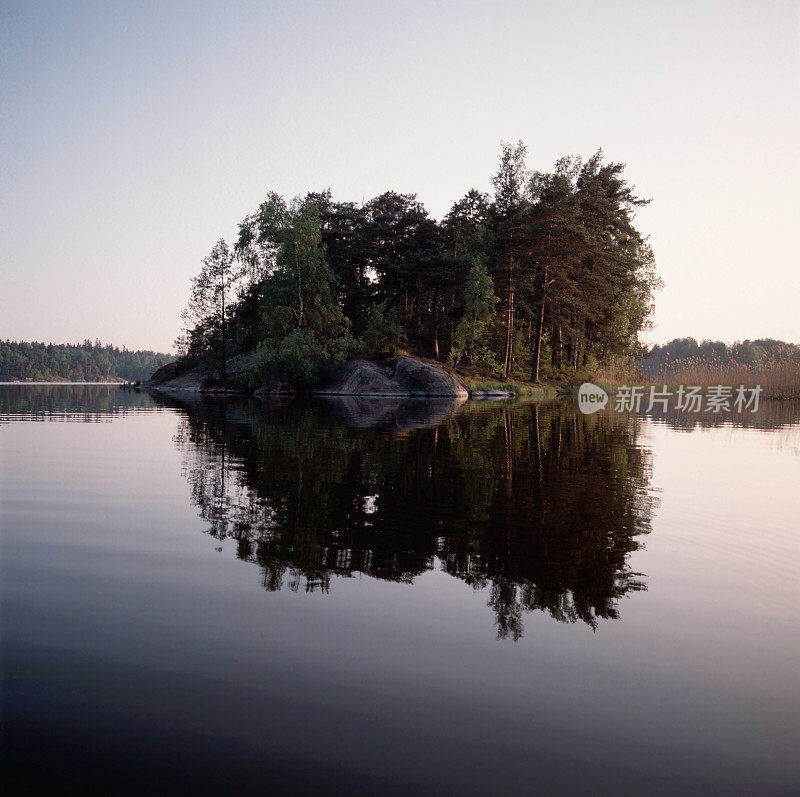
[(302, 359), (384, 335)]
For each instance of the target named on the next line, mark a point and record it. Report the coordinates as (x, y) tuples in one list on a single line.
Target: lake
[(503, 597)]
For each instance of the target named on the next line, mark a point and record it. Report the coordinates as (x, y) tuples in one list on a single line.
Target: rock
[(202, 380), (394, 376), (163, 374), (362, 378), (190, 380), (221, 386), (400, 377), (275, 387), (237, 366), (491, 394)]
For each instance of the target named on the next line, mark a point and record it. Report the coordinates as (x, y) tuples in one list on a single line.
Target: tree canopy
[(548, 274)]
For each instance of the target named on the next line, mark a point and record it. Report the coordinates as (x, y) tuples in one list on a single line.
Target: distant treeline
[(546, 274), (687, 351), (84, 362)]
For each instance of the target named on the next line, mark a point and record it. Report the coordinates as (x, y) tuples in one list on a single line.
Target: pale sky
[(133, 135)]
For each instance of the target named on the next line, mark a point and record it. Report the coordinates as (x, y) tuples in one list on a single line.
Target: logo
[(591, 398)]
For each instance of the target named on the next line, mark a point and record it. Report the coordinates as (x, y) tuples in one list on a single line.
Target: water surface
[(246, 596)]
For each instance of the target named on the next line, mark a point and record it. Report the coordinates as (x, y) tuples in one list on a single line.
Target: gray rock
[(163, 374), (201, 379), (491, 394), (394, 376), (236, 366)]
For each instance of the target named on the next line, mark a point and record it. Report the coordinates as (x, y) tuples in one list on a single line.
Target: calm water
[(251, 597)]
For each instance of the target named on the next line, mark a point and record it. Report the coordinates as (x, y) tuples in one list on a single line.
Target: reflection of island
[(539, 504)]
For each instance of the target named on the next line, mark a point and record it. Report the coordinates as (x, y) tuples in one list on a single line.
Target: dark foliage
[(550, 270)]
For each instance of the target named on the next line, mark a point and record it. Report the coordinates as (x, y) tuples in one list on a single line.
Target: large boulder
[(163, 374), (205, 380), (238, 366), (394, 376)]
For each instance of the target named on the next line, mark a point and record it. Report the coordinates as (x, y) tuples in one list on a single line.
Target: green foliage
[(383, 335), (550, 267), (86, 362), (472, 333), (260, 237), (512, 386), (302, 358), (304, 333), (206, 335), (301, 291)]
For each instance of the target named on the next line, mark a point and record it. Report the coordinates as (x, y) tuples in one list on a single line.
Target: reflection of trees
[(69, 402), (539, 505)]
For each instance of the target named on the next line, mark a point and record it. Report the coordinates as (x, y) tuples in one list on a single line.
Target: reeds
[(779, 380)]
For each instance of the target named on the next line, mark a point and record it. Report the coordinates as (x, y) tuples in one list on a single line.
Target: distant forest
[(84, 362), (687, 351), (546, 274)]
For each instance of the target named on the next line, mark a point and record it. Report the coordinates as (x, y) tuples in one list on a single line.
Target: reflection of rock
[(394, 376), (401, 414)]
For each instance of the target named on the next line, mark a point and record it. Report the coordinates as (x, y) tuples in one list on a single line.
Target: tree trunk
[(452, 319), (555, 357), (299, 289), (537, 342), (224, 340), (585, 359), (435, 323), (419, 319), (404, 310), (509, 357)]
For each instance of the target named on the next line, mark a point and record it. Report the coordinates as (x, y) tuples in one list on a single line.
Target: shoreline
[(64, 382)]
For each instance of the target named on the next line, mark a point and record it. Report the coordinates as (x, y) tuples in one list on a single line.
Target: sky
[(135, 135)]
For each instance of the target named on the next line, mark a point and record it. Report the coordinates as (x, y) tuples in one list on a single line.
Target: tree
[(260, 237), (552, 263), (509, 206), (397, 228), (615, 262), (300, 293), (213, 290), (463, 224), (348, 253), (554, 226), (384, 333), (470, 338), (305, 334)]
